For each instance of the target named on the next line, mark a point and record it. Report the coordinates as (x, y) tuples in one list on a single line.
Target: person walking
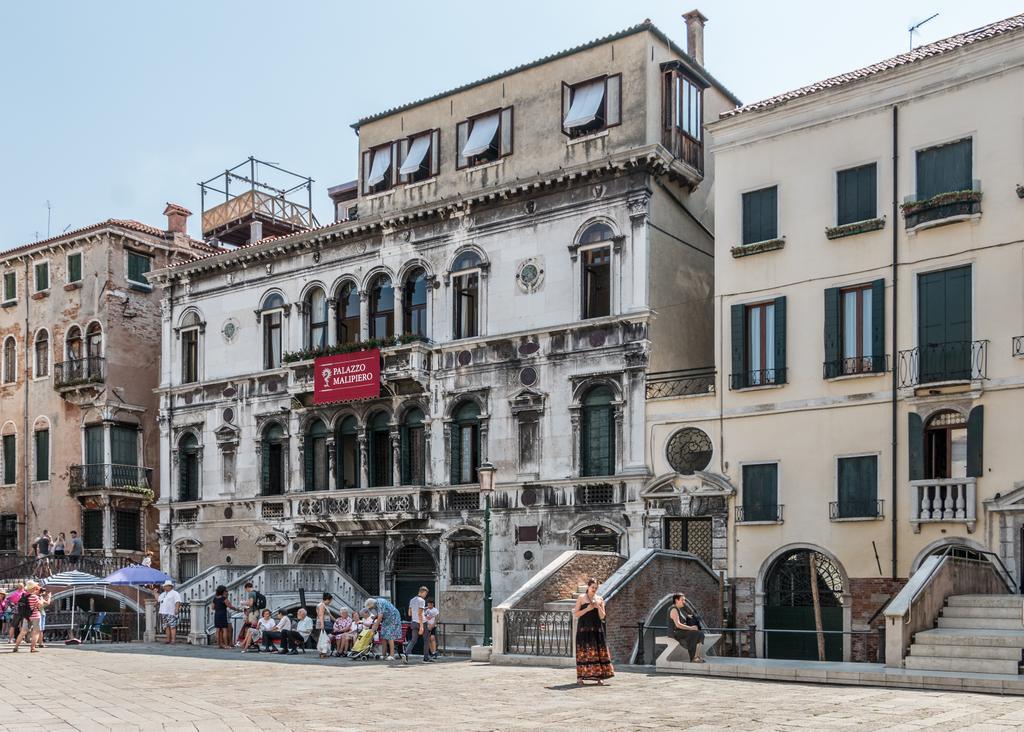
[(388, 622), (170, 604), (29, 609), (13, 607), (593, 661), (221, 604), (323, 621), (431, 614), (685, 627), (419, 630)]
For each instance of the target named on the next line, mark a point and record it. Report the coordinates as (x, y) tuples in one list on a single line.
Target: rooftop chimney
[(695, 21), (177, 218)]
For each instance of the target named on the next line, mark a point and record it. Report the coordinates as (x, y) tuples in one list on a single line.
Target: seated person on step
[(684, 626)]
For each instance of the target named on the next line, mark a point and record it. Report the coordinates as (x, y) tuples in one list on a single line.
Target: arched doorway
[(789, 605), (412, 567), (317, 555), (597, 538)]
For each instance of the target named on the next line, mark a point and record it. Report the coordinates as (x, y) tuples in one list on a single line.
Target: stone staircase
[(975, 634), (566, 604)]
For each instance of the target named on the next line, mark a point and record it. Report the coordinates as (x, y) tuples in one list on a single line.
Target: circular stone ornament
[(689, 450)]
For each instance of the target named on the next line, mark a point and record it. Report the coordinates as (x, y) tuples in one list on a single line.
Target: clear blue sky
[(111, 109)]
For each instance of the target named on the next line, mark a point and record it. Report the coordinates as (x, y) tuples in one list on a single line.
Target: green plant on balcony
[(142, 491), (311, 353), (942, 199), (857, 227)]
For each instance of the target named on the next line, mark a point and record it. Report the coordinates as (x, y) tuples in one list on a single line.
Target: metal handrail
[(950, 551)]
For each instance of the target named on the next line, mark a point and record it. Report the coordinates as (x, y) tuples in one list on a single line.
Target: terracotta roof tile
[(1009, 25)]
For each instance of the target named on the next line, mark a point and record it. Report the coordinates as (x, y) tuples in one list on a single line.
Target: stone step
[(982, 623), (986, 601), (961, 665), (968, 611), (947, 650), (560, 605), (971, 637)]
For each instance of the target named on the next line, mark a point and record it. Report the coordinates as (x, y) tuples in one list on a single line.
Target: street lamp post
[(486, 472)]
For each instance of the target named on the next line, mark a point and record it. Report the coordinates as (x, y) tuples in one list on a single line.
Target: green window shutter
[(858, 486), (10, 459), (780, 341), (833, 346), (975, 442), (760, 212), (610, 451), (456, 444), (9, 286), (74, 268), (124, 445), (42, 277), (915, 445), (265, 469), (857, 199), (43, 455), (138, 266), (944, 169), (309, 460), (184, 489), (405, 449), (878, 325), (760, 492), (739, 346)]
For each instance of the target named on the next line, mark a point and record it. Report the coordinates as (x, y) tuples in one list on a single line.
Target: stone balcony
[(78, 374), (106, 479), (943, 500)]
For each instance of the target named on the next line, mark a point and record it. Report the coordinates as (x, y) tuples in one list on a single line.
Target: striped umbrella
[(73, 579)]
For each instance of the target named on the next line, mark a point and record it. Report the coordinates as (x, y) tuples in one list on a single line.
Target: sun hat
[(168, 583)]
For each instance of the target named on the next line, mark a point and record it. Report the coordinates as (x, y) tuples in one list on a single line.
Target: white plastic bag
[(323, 643)]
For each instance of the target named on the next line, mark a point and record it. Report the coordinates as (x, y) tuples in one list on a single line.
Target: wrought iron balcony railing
[(1018, 346), (79, 371), (750, 379), (854, 366), (855, 509), (691, 382), (937, 362), (759, 512), (100, 476)]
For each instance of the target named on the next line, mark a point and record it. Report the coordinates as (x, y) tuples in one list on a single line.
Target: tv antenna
[(48, 208), (914, 28)]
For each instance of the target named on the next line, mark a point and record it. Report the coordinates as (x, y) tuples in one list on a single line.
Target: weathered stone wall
[(564, 583)]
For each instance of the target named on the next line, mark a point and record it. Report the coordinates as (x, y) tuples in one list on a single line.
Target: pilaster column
[(332, 321), (396, 457), (364, 467), (364, 316), (399, 310)]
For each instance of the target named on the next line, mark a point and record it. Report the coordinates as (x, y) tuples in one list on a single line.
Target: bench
[(675, 653)]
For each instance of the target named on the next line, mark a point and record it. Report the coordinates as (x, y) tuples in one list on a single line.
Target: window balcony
[(859, 366), (936, 363), (361, 504), (855, 510), (671, 384), (405, 358), (105, 478), (407, 362), (945, 208), (76, 373), (943, 500), (759, 514), (754, 379)]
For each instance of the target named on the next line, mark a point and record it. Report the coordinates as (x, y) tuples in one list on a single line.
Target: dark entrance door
[(789, 606), (363, 563), (944, 325), (413, 568)]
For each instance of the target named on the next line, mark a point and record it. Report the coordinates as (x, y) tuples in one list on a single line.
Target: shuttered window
[(761, 492), (858, 486), (10, 459), (74, 267), (381, 471), (124, 441), (346, 447), (315, 456), (855, 330), (760, 215), (92, 529), (856, 190), (944, 325), (127, 530), (758, 344), (412, 447), (272, 461), (8, 532), (42, 455), (465, 444), (188, 465), (10, 287), (138, 266), (944, 169), (42, 276), (597, 433)]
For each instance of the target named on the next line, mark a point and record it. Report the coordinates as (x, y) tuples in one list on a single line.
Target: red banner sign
[(346, 377)]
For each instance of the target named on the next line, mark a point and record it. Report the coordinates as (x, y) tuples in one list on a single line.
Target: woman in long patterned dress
[(389, 622), (593, 661)]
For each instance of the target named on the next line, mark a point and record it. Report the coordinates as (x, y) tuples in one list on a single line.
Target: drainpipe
[(170, 435), (29, 351), (895, 324)]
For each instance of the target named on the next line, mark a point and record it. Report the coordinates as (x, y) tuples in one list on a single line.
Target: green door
[(94, 455), (944, 325), (789, 606)]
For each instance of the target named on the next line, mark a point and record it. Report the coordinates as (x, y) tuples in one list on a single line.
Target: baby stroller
[(362, 649)]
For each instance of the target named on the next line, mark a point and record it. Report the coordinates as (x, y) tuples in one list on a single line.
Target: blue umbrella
[(137, 574)]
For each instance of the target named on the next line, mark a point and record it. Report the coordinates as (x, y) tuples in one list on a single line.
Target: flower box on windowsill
[(746, 250), (40, 295), (955, 205), (857, 227), (72, 286)]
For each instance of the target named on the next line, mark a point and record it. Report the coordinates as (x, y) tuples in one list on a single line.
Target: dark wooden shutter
[(975, 442), (435, 152), (566, 102), (760, 215), (461, 136), (858, 486), (780, 341), (760, 492), (915, 445), (184, 489), (74, 268), (739, 346), (456, 444), (944, 169), (265, 468), (10, 459), (833, 345), (857, 198), (309, 462), (43, 455), (877, 325), (404, 448), (506, 130)]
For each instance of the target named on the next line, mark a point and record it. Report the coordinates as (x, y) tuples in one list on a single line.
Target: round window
[(688, 450)]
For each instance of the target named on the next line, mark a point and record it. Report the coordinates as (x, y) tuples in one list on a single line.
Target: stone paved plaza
[(149, 688)]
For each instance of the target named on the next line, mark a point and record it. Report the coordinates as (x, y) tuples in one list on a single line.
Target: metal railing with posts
[(77, 371), (763, 377), (456, 637), (861, 650), (107, 475), (937, 362), (734, 643), (763, 513), (855, 366), (855, 509), (42, 567), (688, 382), (539, 633)]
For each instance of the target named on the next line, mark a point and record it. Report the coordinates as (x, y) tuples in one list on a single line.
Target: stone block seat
[(675, 655)]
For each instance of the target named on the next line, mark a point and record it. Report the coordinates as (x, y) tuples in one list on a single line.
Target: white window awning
[(586, 102), (417, 154), (481, 136), (379, 167)]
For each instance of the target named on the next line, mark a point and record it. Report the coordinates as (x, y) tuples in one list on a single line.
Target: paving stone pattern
[(149, 688)]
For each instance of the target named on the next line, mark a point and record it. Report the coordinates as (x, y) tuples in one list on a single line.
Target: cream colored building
[(868, 310)]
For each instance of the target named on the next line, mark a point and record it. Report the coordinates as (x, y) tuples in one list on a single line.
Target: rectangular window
[(527, 534), (858, 487), (127, 530), (484, 138), (138, 266), (92, 528), (420, 156), (529, 443), (42, 276), (466, 561), (271, 556), (857, 327), (10, 287), (855, 330), (348, 454), (188, 566), (10, 456), (761, 492), (597, 282), (8, 532), (466, 310), (761, 344), (124, 441), (42, 355), (760, 215), (944, 169), (189, 356), (379, 168), (272, 340), (42, 455), (857, 198), (591, 106), (75, 267), (945, 329), (683, 118)]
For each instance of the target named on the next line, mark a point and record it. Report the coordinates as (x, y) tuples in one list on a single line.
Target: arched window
[(945, 445), (73, 344), (315, 455), (10, 360), (190, 327), (465, 444), (597, 538), (316, 319), (596, 254), (348, 314), (380, 451), (9, 455), (272, 313), (466, 295), (382, 308), (597, 432), (41, 435), (188, 468), (42, 353), (273, 461), (346, 445), (94, 350), (465, 551), (413, 448), (415, 304)]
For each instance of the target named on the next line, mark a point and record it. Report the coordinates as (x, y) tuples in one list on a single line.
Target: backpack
[(24, 606), (259, 600)]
